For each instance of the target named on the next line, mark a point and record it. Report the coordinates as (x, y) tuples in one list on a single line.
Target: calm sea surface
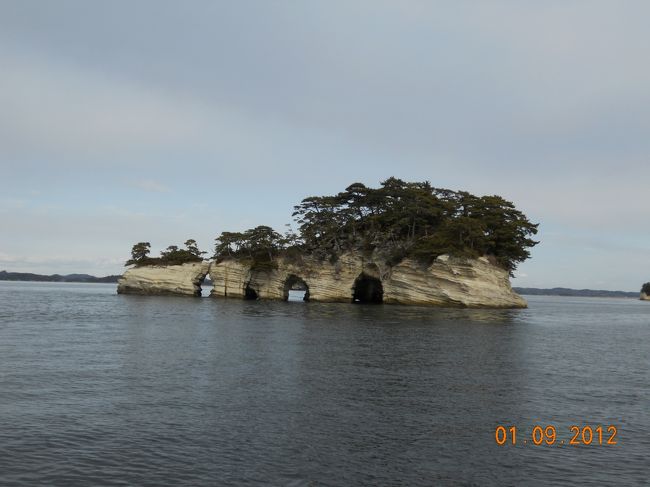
[(100, 389)]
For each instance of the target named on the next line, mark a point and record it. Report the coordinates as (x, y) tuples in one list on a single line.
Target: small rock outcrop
[(182, 280), (645, 292)]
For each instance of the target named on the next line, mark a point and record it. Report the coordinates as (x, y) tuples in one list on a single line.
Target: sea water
[(101, 389)]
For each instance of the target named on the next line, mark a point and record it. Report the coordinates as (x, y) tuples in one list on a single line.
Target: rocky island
[(645, 292), (402, 243)]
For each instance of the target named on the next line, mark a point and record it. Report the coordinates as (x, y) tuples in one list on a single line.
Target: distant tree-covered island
[(397, 220), (83, 278)]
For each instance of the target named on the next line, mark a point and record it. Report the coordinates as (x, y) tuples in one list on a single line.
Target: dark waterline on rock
[(100, 389)]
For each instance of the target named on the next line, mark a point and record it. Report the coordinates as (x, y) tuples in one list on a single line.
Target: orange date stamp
[(548, 435)]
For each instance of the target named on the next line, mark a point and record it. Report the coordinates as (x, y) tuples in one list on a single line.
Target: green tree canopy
[(172, 255), (417, 220), (139, 253), (261, 243)]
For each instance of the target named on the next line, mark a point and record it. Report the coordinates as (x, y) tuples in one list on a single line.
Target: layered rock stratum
[(448, 281), (644, 297), (183, 280)]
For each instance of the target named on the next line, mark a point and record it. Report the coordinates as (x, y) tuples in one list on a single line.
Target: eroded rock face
[(182, 280), (474, 283), (644, 297), (447, 282)]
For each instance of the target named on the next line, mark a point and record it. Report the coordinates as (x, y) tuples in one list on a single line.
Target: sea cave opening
[(205, 285), (295, 289), (367, 289), (250, 293)]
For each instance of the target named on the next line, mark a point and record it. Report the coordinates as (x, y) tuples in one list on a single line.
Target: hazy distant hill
[(27, 276), (563, 291)]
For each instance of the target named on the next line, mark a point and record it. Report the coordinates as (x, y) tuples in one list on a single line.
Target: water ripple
[(99, 389)]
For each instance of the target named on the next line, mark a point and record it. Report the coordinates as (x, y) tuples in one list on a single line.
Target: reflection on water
[(104, 389)]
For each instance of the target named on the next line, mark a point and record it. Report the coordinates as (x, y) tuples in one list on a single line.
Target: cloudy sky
[(135, 120)]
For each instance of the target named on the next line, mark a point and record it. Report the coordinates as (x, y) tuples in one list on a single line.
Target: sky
[(159, 121)]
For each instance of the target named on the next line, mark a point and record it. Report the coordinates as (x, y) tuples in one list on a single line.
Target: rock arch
[(198, 285), (295, 283), (367, 289), (199, 281)]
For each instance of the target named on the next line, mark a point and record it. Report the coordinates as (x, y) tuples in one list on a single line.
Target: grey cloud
[(151, 185), (486, 83), (57, 109)]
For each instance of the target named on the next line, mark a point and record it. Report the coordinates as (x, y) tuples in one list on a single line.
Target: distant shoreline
[(28, 276), (563, 291)]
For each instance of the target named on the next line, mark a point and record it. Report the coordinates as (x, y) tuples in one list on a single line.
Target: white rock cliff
[(448, 281), (161, 280)]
